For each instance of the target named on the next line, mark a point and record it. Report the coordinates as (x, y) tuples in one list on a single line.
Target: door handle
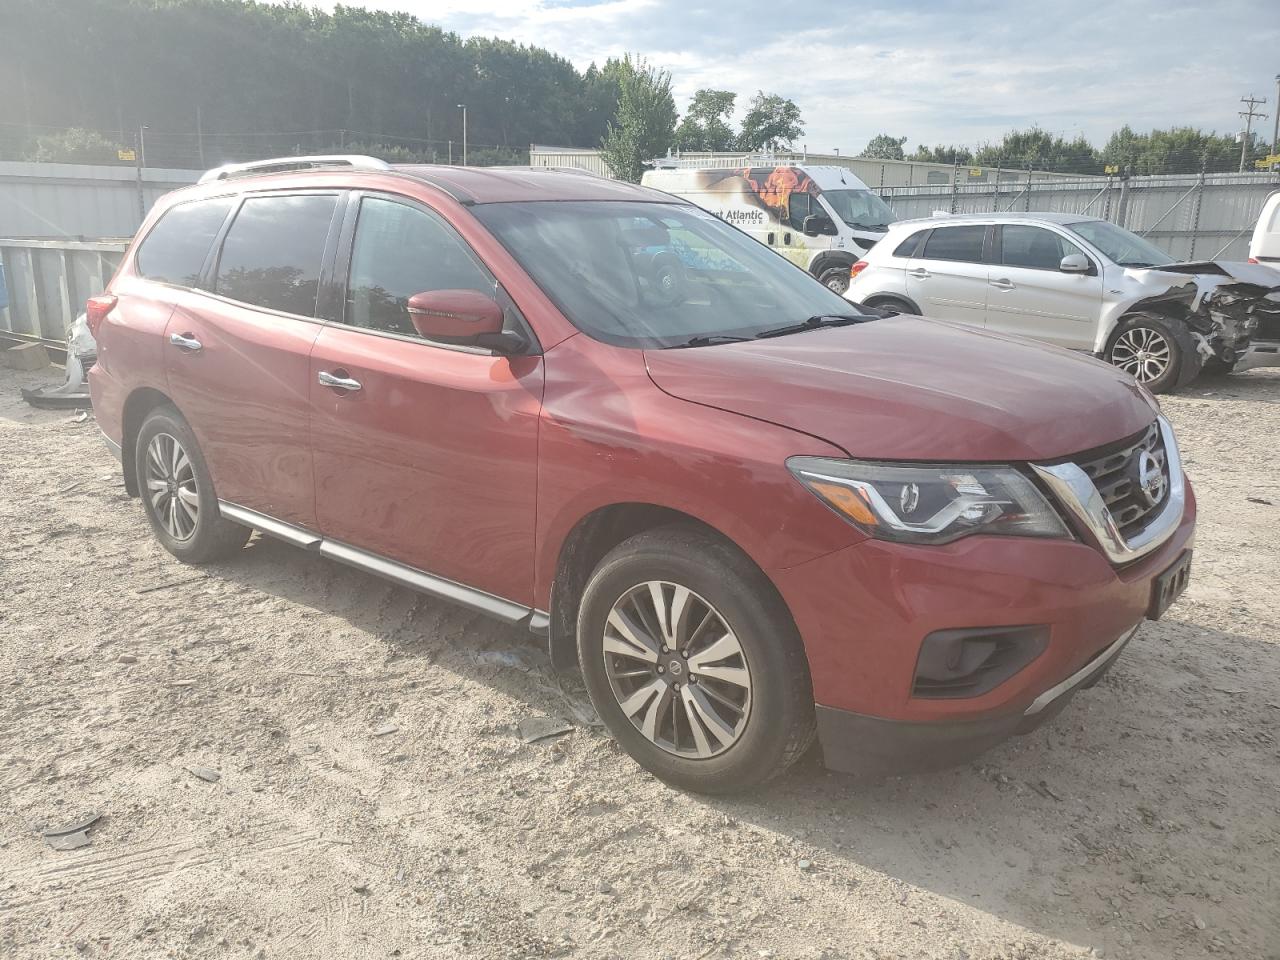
[(184, 341), (328, 379), (919, 273), (1004, 283)]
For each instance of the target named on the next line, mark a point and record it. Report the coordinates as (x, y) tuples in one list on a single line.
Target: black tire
[(211, 537), (1217, 367), (779, 726), (892, 304), (1184, 361), (835, 279)]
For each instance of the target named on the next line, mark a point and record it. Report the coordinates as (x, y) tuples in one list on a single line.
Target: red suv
[(597, 411)]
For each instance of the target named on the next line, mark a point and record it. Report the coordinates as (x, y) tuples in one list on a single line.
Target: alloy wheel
[(1142, 353), (171, 486), (677, 670)]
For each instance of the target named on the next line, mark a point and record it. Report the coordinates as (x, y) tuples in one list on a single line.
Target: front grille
[(1114, 471)]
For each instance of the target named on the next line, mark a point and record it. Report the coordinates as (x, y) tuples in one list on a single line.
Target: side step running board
[(396, 572)]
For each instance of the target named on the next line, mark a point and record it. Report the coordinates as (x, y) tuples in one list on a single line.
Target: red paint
[(477, 467)]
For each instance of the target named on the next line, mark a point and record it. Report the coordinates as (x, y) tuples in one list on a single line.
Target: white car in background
[(1081, 283)]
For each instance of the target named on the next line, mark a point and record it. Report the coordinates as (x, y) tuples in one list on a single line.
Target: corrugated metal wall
[(1191, 218), (874, 173), (65, 200)]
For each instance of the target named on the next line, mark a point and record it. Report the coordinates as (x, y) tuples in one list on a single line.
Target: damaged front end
[(1231, 310)]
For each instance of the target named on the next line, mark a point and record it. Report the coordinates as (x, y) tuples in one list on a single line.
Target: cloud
[(937, 72)]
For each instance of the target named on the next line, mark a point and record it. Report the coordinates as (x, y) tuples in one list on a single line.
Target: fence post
[(1122, 208), (955, 182), (1026, 203), (137, 164), (995, 196), (1195, 207)]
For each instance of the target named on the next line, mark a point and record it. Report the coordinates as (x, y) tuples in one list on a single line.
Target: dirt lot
[(376, 800)]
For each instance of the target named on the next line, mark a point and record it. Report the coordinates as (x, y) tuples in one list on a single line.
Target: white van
[(822, 218), (1265, 245)]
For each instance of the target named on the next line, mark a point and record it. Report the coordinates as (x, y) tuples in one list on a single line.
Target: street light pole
[(142, 144), (463, 108), (1275, 123)]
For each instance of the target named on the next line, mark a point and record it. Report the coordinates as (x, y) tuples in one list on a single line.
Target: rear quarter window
[(910, 246), (175, 249)]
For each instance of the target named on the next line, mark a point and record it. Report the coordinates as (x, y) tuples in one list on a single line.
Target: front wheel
[(836, 279), (1154, 352), (693, 663)]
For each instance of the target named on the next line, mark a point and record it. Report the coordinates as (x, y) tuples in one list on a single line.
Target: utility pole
[(1249, 115), (142, 145), (463, 108), (1275, 123), (200, 134)]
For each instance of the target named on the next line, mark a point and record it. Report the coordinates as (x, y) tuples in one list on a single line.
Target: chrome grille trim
[(1078, 494)]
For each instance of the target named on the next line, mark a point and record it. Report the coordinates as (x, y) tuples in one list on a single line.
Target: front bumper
[(864, 612), (874, 747)]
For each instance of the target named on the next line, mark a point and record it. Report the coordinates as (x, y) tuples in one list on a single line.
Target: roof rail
[(233, 171)]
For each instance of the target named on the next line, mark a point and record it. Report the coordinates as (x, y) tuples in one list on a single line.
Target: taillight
[(857, 268), (96, 310), (1253, 259)]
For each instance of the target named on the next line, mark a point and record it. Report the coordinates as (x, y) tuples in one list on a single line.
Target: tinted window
[(1035, 247), (399, 251), (654, 274), (909, 246), (798, 208), (175, 249), (272, 253), (955, 243)]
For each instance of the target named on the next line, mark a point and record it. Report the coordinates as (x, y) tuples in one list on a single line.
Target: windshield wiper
[(813, 323), (706, 340)]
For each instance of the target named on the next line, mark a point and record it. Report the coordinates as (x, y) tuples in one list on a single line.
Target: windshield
[(860, 208), (653, 274), (1119, 245)]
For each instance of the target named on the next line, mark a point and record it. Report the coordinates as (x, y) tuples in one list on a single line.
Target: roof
[(1045, 217), (508, 184)]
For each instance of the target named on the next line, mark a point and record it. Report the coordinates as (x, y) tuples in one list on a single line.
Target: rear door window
[(910, 246), (272, 254), (175, 249), (955, 243)]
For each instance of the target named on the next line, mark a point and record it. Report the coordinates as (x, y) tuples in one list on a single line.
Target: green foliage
[(278, 78), (1179, 150), (942, 154), (75, 146), (1040, 150), (646, 119), (706, 124), (772, 122), (884, 147)]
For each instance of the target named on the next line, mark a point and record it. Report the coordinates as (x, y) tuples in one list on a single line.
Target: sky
[(936, 71)]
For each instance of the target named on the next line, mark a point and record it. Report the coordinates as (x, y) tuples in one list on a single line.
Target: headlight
[(929, 503)]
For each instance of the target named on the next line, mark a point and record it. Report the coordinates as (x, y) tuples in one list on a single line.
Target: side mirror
[(460, 316), (818, 225), (1074, 263)]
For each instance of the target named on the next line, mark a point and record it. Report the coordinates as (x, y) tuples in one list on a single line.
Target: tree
[(1040, 150), (772, 122), (706, 124), (643, 127), (1178, 150), (941, 154), (76, 146), (884, 147)]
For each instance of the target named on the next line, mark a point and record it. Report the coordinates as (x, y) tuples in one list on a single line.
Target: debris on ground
[(205, 773), (385, 730), (73, 835), (533, 729)]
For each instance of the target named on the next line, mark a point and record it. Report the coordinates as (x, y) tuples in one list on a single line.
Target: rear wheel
[(693, 663), (177, 492), (836, 279)]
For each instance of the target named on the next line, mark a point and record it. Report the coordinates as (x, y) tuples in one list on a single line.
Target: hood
[(906, 388)]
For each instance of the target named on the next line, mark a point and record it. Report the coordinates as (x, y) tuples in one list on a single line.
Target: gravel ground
[(373, 797)]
